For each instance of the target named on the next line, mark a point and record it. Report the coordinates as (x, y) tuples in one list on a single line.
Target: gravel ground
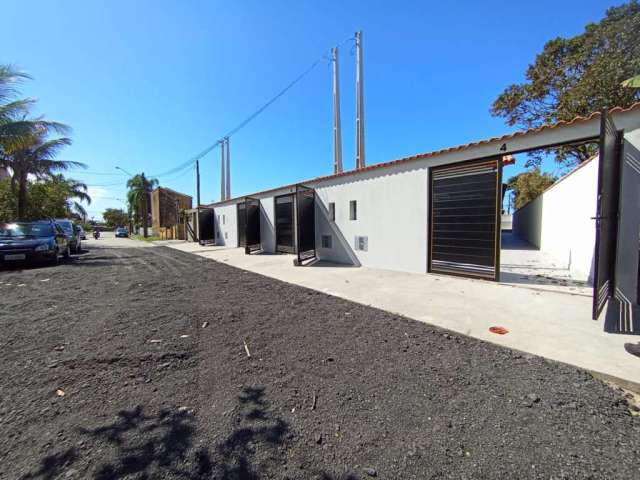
[(130, 363)]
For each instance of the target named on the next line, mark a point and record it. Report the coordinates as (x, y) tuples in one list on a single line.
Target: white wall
[(560, 223), (392, 205), (227, 229), (391, 212), (527, 221)]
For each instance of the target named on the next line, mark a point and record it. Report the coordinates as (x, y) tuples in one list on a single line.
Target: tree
[(76, 192), (34, 155), (527, 186), (575, 77), (26, 149), (115, 217), (138, 197), (57, 197), (14, 112), (7, 201)]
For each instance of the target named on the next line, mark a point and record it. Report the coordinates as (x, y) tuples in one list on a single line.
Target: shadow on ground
[(149, 446)]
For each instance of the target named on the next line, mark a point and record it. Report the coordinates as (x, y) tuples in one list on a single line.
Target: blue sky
[(146, 85)]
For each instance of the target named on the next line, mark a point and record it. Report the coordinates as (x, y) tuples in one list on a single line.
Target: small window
[(223, 219), (353, 210), (225, 235), (326, 241), (332, 211)]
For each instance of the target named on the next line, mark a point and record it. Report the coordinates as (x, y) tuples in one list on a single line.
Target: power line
[(188, 170), (255, 114), (84, 172), (103, 184), (242, 124)]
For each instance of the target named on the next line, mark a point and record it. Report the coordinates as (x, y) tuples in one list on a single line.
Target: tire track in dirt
[(168, 255), (167, 262)]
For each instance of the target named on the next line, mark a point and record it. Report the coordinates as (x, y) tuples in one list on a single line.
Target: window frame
[(353, 210)]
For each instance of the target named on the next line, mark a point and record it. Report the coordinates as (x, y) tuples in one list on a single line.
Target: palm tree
[(138, 197), (76, 192), (11, 110), (25, 148), (14, 121), (33, 155)]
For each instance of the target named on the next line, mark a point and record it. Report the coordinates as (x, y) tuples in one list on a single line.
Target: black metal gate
[(252, 226), (464, 226), (242, 224), (284, 220), (306, 222), (206, 225), (609, 159)]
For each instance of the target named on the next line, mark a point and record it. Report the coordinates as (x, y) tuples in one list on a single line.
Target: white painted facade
[(392, 202), (226, 218), (560, 221), (391, 212)]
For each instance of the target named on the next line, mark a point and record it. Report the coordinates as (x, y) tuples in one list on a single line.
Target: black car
[(73, 234), (42, 241)]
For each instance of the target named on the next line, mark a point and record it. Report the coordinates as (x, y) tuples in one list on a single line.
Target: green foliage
[(527, 186), (115, 217), (49, 198), (139, 186), (7, 201), (577, 76), (26, 147), (145, 239)]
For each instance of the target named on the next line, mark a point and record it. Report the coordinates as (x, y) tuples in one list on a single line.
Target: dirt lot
[(130, 363)]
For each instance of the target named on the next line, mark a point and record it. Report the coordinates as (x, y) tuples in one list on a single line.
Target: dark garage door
[(242, 224), (285, 241), (465, 219), (252, 235), (306, 221), (206, 225)]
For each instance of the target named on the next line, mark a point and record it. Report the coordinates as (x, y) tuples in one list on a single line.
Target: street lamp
[(123, 170)]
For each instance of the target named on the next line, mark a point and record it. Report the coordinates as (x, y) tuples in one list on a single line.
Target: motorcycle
[(96, 234)]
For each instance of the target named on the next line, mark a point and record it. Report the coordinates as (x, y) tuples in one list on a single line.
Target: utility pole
[(145, 206), (223, 182), (228, 188), (337, 128), (360, 159), (198, 183)]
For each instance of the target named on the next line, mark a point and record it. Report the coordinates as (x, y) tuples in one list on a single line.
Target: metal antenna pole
[(337, 128), (228, 189), (223, 183), (198, 182), (360, 159)]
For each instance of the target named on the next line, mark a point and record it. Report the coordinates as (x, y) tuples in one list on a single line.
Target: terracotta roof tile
[(421, 156)]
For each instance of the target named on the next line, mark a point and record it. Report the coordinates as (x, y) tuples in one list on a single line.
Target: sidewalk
[(554, 325)]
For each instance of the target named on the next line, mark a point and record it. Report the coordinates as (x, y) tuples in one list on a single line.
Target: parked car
[(122, 232), (81, 233), (71, 229), (42, 241)]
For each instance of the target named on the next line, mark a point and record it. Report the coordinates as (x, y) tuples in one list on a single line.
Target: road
[(136, 361), (108, 239)]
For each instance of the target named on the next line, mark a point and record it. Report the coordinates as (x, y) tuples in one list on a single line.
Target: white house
[(439, 211)]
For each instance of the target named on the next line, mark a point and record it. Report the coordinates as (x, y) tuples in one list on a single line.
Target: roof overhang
[(580, 130)]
